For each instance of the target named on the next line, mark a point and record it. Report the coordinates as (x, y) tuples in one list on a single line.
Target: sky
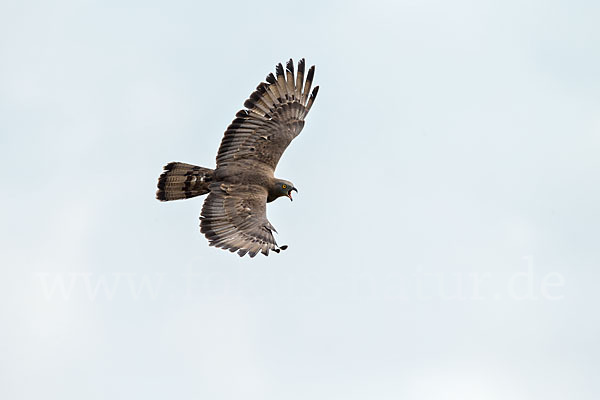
[(443, 243)]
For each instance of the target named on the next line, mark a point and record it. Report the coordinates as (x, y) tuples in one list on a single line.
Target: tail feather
[(182, 181)]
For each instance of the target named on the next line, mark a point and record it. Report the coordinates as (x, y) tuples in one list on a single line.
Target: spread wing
[(274, 115), (234, 217)]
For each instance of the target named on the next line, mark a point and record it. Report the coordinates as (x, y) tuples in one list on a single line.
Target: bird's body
[(242, 174), (234, 213)]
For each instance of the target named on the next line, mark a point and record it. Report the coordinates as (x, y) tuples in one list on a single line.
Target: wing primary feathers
[(279, 70), (289, 70), (300, 79), (273, 88), (265, 95), (312, 98), (281, 85), (270, 94), (308, 84)]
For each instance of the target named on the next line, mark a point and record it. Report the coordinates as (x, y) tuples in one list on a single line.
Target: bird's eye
[(284, 186)]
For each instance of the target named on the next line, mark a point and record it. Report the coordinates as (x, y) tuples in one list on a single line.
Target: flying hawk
[(234, 215)]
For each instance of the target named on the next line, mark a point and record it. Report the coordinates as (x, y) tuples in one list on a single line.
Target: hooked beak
[(290, 193)]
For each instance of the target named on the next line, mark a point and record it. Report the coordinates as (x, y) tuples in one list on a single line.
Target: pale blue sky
[(444, 243)]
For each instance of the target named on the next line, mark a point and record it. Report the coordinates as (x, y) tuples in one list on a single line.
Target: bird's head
[(284, 188)]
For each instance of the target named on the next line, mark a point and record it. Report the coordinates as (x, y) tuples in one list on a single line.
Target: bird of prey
[(234, 214)]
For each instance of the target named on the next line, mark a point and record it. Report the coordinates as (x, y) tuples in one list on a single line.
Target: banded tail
[(182, 181)]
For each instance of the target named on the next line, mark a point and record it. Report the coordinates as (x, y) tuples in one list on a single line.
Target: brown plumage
[(182, 181), (234, 213)]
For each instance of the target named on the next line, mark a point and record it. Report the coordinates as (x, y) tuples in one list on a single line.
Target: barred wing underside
[(234, 218), (273, 117)]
